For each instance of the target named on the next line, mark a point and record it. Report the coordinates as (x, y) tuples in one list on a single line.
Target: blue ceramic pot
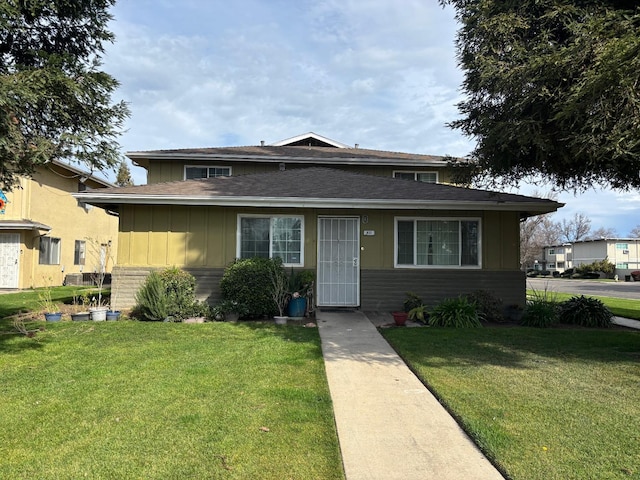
[(297, 307)]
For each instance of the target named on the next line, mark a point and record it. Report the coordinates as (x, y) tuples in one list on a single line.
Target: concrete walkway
[(389, 425)]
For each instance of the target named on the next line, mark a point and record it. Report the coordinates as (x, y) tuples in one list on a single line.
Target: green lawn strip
[(162, 400), (27, 300), (621, 307), (542, 403)]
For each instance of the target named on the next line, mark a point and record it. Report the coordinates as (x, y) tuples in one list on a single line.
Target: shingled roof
[(318, 187), (291, 154)]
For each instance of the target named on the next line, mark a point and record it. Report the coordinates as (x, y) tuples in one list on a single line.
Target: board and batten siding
[(202, 240), (172, 170)]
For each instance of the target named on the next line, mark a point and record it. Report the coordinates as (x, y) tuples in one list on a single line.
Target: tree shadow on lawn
[(12, 341), (517, 347)]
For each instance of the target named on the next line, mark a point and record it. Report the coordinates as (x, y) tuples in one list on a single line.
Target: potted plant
[(101, 253), (419, 314), (412, 301), (51, 310), (300, 287), (80, 313), (279, 291), (230, 311)]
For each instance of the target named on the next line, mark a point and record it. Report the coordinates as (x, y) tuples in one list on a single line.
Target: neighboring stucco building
[(46, 234), (624, 253), (323, 206)]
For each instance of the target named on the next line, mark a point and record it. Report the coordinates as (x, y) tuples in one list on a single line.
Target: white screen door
[(9, 260), (338, 279)]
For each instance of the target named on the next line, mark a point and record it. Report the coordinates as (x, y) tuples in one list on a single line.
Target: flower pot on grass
[(98, 314), (81, 316), (280, 320), (297, 307), (113, 315), (53, 316)]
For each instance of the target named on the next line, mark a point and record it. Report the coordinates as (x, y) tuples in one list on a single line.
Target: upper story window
[(49, 251), (431, 242), (191, 172), (271, 237), (427, 177), (622, 246)]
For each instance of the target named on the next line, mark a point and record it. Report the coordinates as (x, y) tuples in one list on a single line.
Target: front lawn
[(621, 307), (542, 403), (28, 300), (162, 400)]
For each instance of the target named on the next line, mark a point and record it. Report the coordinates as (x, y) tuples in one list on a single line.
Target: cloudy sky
[(378, 73)]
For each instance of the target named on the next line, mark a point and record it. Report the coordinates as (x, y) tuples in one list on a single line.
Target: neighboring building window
[(622, 265), (552, 251), (49, 251), (551, 265), (206, 172), (423, 242), (427, 177), (271, 237), (622, 246), (79, 252), (560, 265), (559, 251)]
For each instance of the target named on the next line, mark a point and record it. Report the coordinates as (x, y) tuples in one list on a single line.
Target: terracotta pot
[(400, 318)]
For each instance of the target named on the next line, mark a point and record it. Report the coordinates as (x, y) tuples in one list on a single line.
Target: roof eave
[(142, 159), (297, 202)]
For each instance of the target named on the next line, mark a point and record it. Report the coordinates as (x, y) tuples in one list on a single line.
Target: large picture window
[(271, 237), (206, 172), (424, 242), (49, 251)]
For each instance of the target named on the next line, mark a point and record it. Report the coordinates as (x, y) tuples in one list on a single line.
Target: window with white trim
[(79, 252), (427, 177), (622, 246), (49, 251), (560, 265), (271, 237), (622, 265), (431, 242), (191, 172)]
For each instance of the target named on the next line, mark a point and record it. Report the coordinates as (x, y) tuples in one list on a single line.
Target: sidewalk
[(389, 425)]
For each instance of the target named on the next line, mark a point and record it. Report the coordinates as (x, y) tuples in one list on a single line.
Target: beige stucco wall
[(159, 236), (47, 199)]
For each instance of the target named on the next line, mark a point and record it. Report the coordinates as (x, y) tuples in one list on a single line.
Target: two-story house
[(371, 224), (46, 234), (624, 253)]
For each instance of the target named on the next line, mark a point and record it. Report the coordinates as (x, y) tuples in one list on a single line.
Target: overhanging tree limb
[(552, 89)]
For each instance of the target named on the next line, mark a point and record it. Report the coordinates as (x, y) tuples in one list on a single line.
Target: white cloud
[(378, 73)]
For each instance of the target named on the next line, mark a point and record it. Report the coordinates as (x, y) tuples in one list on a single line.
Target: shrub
[(455, 312), (151, 301), (179, 288), (588, 269), (488, 305), (169, 294), (585, 311), (247, 282), (540, 313), (412, 301)]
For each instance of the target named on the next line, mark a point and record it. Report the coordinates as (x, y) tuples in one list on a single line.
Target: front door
[(9, 259), (338, 279)]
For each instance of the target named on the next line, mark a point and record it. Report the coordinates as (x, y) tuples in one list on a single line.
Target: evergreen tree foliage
[(55, 102), (123, 178), (553, 89)]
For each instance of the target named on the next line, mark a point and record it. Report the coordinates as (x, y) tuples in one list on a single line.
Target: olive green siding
[(203, 241), (171, 170)]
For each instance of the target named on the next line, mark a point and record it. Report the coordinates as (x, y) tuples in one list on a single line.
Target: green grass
[(27, 300), (620, 307), (543, 404), (118, 400)]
